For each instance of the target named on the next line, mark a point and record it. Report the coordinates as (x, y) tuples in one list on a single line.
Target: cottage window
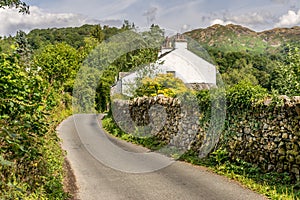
[(171, 72)]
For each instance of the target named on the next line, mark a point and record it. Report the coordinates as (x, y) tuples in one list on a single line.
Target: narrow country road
[(109, 169)]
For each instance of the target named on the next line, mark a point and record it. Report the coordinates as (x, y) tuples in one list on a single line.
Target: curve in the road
[(86, 144), (101, 148)]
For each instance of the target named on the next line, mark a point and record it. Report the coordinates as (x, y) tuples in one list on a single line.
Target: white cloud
[(252, 20), (12, 21), (221, 22), (176, 14), (292, 18)]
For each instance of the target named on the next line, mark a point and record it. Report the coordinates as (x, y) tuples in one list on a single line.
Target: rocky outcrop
[(231, 36)]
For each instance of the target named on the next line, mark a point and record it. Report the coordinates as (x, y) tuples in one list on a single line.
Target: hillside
[(73, 36), (232, 38)]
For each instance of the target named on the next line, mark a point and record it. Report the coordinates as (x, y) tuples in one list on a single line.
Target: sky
[(176, 15)]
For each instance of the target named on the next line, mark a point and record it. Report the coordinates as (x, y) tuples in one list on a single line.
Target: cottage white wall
[(189, 67)]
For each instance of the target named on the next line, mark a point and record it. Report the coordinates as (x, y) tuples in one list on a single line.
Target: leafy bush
[(31, 158), (286, 76), (58, 64), (165, 84), (243, 95)]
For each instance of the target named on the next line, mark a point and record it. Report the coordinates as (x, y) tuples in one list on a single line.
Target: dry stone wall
[(168, 119), (266, 134)]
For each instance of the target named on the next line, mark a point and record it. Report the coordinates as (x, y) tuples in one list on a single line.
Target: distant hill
[(229, 38), (233, 38)]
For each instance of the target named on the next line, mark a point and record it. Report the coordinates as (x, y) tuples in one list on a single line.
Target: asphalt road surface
[(106, 168)]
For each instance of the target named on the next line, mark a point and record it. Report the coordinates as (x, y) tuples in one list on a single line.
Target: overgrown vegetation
[(285, 77), (31, 158), (241, 98)]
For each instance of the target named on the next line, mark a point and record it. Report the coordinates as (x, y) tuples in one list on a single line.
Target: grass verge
[(273, 185)]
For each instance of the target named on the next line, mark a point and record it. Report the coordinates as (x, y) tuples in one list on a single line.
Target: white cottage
[(178, 60)]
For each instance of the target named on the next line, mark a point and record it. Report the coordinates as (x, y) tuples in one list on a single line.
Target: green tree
[(23, 48), (127, 25), (58, 64), (73, 36), (107, 79), (98, 33), (22, 6), (234, 75), (123, 52), (286, 76), (155, 35)]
